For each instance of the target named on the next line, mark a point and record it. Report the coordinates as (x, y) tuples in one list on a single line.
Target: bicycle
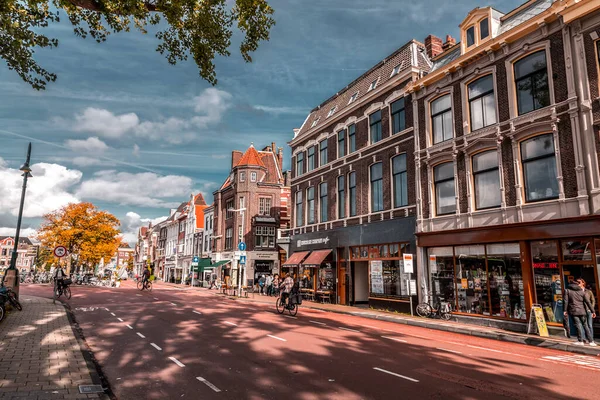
[(62, 290), (291, 306), (441, 310), (141, 285)]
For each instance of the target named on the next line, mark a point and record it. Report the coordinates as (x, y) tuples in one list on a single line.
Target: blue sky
[(124, 129)]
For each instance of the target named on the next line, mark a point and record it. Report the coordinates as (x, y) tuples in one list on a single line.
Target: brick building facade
[(250, 207)]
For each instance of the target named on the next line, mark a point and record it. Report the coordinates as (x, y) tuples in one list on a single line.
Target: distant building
[(26, 252)]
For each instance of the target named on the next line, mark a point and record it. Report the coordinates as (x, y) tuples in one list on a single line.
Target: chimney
[(273, 148), (450, 41), (280, 157), (433, 46), (236, 156)]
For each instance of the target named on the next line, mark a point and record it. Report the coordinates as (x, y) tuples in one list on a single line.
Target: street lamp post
[(240, 239), (11, 278)]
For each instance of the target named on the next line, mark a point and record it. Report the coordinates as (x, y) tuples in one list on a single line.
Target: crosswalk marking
[(585, 361)]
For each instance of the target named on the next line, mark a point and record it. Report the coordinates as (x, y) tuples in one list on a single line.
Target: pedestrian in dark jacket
[(590, 296), (577, 305)]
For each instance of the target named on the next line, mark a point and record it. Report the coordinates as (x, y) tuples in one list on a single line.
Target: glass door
[(577, 262), (548, 279)]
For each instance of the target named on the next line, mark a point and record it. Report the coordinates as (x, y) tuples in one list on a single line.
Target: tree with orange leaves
[(89, 234)]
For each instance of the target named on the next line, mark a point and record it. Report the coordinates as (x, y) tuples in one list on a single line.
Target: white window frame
[(253, 176), (353, 97)]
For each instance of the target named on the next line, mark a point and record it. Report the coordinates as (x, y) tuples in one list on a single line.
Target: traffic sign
[(242, 246), (242, 260), (60, 251), (195, 261)]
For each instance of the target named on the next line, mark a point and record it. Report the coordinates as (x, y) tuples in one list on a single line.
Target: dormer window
[(315, 122), (396, 70), (373, 84), (484, 28), (470, 36), (332, 111), (353, 98)]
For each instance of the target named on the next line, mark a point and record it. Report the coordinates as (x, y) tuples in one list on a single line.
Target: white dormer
[(480, 25)]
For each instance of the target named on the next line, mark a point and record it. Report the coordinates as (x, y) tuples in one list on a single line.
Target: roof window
[(373, 84), (315, 122), (353, 98), (332, 111)]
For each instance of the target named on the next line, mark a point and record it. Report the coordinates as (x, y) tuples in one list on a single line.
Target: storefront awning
[(296, 259), (316, 258)]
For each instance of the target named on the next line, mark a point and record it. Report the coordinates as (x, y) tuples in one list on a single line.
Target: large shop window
[(341, 139), (471, 280), (376, 187), (299, 209), (505, 274), (531, 82), (539, 168), (441, 268), (352, 138), (486, 179), (441, 119), (398, 116), (352, 193), (400, 181), (310, 158), (299, 163), (445, 195), (547, 278), (482, 104), (375, 126), (323, 201), (341, 196), (323, 152), (310, 205)]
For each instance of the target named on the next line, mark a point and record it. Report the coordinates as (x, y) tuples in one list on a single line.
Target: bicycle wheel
[(446, 315), (1, 312), (293, 310), (67, 292), (149, 286), (423, 310), (140, 285), (279, 305), (15, 303)]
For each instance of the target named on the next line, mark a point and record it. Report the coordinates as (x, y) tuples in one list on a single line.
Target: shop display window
[(471, 280), (307, 278), (326, 279), (394, 251), (395, 280), (577, 250), (505, 278), (441, 267), (547, 278)]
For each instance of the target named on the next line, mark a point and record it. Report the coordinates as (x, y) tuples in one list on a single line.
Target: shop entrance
[(360, 278)]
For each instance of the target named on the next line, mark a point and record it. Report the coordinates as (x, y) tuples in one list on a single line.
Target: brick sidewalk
[(448, 326), (40, 356)]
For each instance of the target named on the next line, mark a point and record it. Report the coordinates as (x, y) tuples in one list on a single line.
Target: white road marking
[(140, 335), (230, 323), (398, 375), (397, 340), (174, 304), (130, 327), (278, 338), (196, 312), (289, 316), (176, 361), (348, 329), (156, 298), (139, 295), (106, 309), (317, 322), (113, 314), (486, 349), (368, 326), (449, 351), (585, 361), (120, 319), (155, 346), (207, 383)]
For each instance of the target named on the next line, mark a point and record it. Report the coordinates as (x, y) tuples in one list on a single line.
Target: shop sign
[(301, 243), (377, 277), (408, 263), (545, 265), (433, 263), (265, 256), (265, 220)]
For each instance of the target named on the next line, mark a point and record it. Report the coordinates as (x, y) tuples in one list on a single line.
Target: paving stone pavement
[(40, 356)]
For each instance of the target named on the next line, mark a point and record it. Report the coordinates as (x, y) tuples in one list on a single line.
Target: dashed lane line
[(130, 327), (395, 374), (113, 314), (394, 339), (139, 295), (155, 298), (173, 304), (120, 319), (207, 383), (348, 329), (276, 337), (140, 335), (176, 361), (155, 346), (229, 323), (197, 312), (317, 322), (448, 350)]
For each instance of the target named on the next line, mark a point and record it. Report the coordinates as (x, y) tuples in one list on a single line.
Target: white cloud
[(91, 145), (132, 222), (47, 190), (209, 108), (89, 162), (145, 189), (11, 232), (282, 110), (136, 150)]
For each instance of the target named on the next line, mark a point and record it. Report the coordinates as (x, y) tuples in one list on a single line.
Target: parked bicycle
[(440, 310), (144, 285)]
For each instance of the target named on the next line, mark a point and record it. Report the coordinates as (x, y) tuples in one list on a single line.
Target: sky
[(136, 136)]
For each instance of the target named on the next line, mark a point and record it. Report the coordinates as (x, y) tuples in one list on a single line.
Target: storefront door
[(341, 284)]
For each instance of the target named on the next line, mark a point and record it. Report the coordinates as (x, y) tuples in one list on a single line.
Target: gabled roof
[(22, 240), (199, 200), (251, 158), (269, 160)]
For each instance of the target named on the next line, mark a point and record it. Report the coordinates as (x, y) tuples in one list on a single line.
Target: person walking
[(269, 284), (589, 294), (261, 285), (576, 305), (275, 290)]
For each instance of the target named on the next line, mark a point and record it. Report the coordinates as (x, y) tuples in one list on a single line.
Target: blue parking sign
[(242, 259)]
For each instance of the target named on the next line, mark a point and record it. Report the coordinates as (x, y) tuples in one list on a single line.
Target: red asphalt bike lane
[(246, 351)]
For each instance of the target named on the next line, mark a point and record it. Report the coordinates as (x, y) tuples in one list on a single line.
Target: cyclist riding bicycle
[(286, 288), (146, 277), (59, 277)]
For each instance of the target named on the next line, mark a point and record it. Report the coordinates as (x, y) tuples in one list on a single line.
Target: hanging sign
[(408, 263)]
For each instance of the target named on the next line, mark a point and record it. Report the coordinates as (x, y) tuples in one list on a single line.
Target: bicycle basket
[(67, 281)]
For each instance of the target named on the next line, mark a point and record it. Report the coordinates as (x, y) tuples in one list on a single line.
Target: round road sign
[(60, 251)]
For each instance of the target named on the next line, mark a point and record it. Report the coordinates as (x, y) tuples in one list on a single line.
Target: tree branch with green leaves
[(201, 29)]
